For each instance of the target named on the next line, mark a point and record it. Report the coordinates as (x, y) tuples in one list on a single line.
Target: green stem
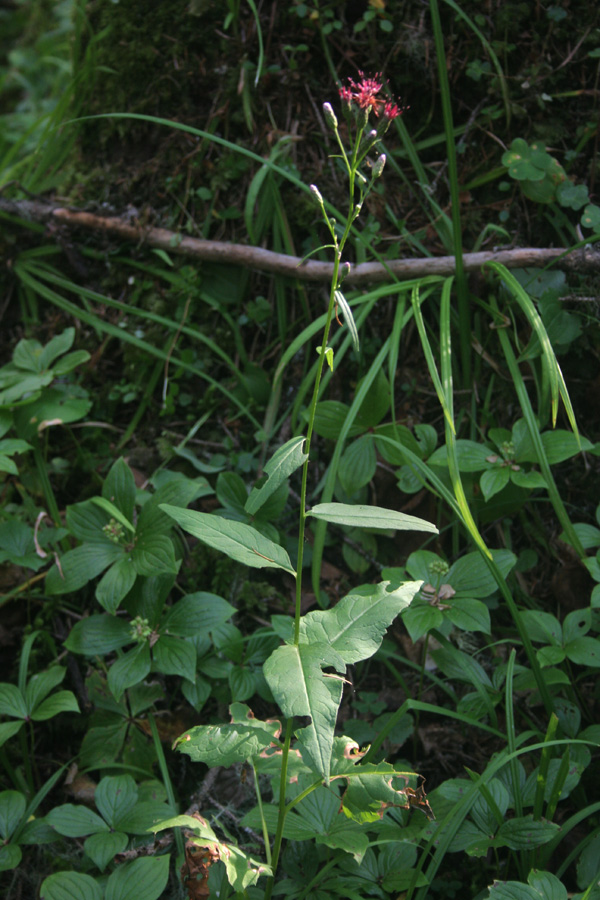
[(40, 464), (289, 727), (464, 317), (164, 771), (265, 830), (26, 757)]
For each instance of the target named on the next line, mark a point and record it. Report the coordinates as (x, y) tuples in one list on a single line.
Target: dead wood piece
[(585, 259)]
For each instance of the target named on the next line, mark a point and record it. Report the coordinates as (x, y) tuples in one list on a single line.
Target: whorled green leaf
[(70, 886), (98, 635), (420, 618), (153, 554), (197, 613), (174, 656), (143, 878), (40, 685), (9, 729), (542, 626), (301, 688), (115, 796), (529, 480), (87, 521), (59, 344), (80, 565), (358, 464), (525, 833), (584, 651), (197, 693), (377, 517), (493, 481), (469, 614), (355, 627), (472, 457), (75, 821), (113, 511), (242, 682), (119, 488), (238, 541), (102, 745), (470, 575), (129, 670), (52, 408), (152, 518), (70, 362), (62, 701), (12, 702), (144, 816), (547, 885), (115, 584), (286, 460), (10, 857), (330, 417), (103, 847), (12, 807)]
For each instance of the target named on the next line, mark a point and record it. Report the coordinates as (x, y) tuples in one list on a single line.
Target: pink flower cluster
[(365, 93)]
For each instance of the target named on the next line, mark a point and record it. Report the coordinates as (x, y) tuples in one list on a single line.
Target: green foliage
[(543, 180), (462, 657)]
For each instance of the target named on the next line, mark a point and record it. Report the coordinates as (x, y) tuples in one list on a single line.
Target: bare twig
[(586, 259)]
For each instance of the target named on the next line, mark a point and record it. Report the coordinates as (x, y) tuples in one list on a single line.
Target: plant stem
[(464, 316), (289, 727)]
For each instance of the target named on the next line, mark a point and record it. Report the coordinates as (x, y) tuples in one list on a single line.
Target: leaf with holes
[(301, 688)]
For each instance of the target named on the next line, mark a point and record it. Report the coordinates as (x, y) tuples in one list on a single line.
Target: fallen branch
[(585, 259)]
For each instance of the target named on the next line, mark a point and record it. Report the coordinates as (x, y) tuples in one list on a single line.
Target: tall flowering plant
[(307, 672)]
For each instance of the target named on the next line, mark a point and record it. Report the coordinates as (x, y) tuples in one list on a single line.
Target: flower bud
[(344, 270), (362, 117), (330, 116), (367, 142), (379, 165), (317, 195)]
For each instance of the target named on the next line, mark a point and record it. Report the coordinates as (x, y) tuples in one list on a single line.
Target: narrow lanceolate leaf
[(282, 464), (113, 512), (225, 745), (355, 627), (301, 688), (348, 318), (238, 541), (369, 517)]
